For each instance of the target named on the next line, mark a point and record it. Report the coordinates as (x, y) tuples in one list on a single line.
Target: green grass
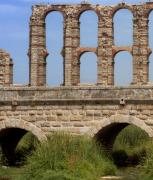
[(10, 173), (70, 158), (130, 146), (25, 147), (67, 157), (147, 165), (134, 144)]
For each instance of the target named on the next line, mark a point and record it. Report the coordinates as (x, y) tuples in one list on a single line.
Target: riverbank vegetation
[(67, 157)]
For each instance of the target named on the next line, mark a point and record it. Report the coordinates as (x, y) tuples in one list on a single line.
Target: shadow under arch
[(109, 128), (11, 132)]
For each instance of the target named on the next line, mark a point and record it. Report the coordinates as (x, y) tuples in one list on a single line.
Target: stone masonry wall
[(76, 110), (105, 51)]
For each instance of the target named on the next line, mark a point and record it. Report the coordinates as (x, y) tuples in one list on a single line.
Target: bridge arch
[(11, 132), (107, 130), (21, 124)]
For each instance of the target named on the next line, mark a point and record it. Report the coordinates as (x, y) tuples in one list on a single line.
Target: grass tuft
[(68, 157), (130, 146)]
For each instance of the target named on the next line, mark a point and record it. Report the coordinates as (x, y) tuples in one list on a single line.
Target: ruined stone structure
[(6, 69), (105, 51), (101, 110)]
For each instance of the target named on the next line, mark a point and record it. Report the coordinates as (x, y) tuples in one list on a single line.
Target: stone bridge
[(101, 110)]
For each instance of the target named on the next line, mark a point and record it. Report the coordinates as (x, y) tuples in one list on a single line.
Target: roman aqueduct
[(101, 110)]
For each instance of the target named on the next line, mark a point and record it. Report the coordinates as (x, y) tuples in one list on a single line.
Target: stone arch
[(11, 132), (148, 12), (54, 10), (21, 124), (40, 12), (121, 6), (117, 50), (84, 9), (82, 51), (107, 129), (38, 55)]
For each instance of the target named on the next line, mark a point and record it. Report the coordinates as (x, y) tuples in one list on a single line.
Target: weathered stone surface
[(6, 69), (73, 107), (79, 111), (105, 51)]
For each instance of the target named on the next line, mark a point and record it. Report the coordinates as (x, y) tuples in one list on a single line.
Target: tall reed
[(68, 157)]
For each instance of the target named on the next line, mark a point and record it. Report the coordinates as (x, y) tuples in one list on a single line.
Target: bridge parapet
[(77, 94)]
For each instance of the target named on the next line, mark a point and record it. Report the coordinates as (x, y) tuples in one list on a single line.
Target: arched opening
[(125, 142), (123, 28), (15, 145), (123, 69), (88, 29), (88, 68), (54, 41), (151, 46), (107, 135)]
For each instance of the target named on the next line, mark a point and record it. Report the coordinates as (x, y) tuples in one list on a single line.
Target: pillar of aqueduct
[(105, 51)]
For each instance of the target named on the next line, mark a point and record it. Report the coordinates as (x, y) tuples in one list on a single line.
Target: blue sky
[(14, 38)]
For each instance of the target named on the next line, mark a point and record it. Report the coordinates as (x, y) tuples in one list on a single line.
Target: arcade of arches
[(105, 50)]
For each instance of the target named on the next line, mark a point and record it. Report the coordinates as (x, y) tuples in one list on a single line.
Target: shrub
[(25, 147), (68, 157), (147, 165), (131, 144)]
